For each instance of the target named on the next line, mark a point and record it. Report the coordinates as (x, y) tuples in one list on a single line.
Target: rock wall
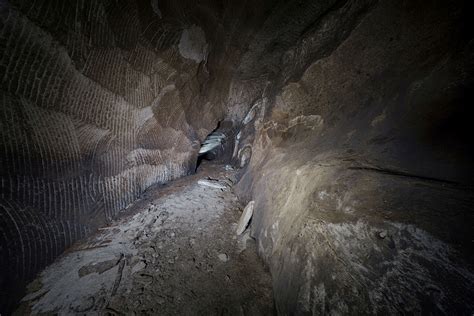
[(361, 166), (99, 100), (351, 123)]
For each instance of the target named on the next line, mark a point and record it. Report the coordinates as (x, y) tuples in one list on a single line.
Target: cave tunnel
[(339, 182), (217, 146)]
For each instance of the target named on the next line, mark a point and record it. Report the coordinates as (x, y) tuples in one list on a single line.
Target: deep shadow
[(211, 155)]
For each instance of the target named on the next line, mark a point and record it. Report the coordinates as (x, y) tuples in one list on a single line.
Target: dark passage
[(212, 146), (219, 145)]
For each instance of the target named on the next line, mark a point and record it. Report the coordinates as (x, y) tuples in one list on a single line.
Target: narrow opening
[(211, 146)]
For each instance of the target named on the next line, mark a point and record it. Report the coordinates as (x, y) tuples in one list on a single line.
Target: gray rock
[(211, 184), (245, 218)]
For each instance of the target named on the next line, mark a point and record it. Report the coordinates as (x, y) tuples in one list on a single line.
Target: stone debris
[(176, 248), (212, 184), (245, 218)]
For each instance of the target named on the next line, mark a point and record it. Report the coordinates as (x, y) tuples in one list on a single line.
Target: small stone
[(223, 257), (245, 218), (383, 234), (213, 184)]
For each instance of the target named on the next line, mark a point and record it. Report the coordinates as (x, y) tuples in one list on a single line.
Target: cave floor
[(175, 252)]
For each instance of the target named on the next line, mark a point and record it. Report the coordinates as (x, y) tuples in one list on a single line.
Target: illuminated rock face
[(351, 123), (361, 167)]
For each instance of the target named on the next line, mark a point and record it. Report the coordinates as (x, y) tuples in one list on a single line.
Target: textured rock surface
[(176, 255), (96, 105), (245, 218), (350, 121), (361, 166)]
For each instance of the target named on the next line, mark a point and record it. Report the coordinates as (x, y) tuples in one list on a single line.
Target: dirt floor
[(175, 253)]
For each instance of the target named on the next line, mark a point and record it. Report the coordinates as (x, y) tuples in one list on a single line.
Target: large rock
[(361, 167), (245, 218)]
